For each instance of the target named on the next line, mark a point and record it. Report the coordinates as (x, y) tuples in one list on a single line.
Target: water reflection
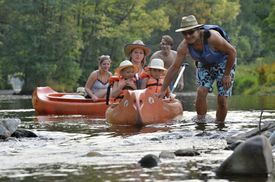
[(237, 102), (128, 131), (61, 151)]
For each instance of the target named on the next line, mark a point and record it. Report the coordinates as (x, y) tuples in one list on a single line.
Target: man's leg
[(221, 109), (201, 103)]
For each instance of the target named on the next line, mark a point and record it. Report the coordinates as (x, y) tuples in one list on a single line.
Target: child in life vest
[(154, 77), (126, 73)]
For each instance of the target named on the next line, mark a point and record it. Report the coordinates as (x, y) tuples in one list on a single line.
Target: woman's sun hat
[(125, 64), (136, 44), (188, 23), (157, 63)]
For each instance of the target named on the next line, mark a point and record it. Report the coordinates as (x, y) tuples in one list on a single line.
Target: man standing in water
[(216, 61), (167, 55)]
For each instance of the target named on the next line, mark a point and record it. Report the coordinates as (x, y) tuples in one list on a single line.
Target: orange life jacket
[(114, 79), (155, 85)]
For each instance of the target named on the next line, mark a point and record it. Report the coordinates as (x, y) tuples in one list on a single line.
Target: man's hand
[(226, 81), (161, 95), (180, 86)]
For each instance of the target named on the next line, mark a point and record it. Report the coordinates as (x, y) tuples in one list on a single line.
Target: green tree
[(40, 40), (250, 21), (108, 25), (269, 29), (223, 13)]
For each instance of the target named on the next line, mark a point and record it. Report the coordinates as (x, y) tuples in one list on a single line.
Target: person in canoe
[(153, 77), (98, 81), (137, 53), (216, 59), (168, 56), (126, 79)]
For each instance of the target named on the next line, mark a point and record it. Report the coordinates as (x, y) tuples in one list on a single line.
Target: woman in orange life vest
[(154, 76), (137, 53), (126, 73)]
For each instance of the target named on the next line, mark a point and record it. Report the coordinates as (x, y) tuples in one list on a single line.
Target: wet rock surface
[(251, 158), (8, 126), (149, 161)]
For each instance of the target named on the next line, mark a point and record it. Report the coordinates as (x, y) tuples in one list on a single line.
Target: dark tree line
[(57, 42)]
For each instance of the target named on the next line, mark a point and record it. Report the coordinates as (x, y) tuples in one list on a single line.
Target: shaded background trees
[(57, 42)]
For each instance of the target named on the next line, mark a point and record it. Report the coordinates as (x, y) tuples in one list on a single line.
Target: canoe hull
[(46, 101), (141, 107)]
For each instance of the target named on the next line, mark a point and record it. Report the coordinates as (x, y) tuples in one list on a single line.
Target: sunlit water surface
[(79, 148)]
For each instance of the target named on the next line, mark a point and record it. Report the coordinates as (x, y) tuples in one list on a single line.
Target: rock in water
[(23, 133), (253, 158), (167, 155), (272, 138), (149, 161), (8, 126), (187, 152)]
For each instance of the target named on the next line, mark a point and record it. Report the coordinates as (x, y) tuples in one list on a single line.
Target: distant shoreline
[(10, 94)]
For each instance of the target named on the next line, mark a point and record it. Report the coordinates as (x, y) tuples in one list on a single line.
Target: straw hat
[(188, 23), (125, 64), (157, 64), (136, 44)]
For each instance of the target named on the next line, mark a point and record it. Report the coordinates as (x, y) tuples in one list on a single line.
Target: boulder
[(19, 133), (250, 158), (186, 152), (149, 161), (167, 155), (272, 138), (8, 126)]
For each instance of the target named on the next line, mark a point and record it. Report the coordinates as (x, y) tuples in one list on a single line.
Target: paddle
[(178, 78), (112, 79), (108, 94)]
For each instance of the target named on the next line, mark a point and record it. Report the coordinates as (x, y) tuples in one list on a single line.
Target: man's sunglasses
[(189, 32)]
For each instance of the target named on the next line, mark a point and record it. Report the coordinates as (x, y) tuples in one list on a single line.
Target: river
[(79, 148)]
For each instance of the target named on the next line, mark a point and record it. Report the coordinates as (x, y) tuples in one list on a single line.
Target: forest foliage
[(57, 42)]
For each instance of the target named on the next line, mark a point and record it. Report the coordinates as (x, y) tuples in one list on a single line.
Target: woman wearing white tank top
[(98, 81)]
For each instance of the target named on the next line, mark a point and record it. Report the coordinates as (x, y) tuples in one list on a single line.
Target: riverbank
[(10, 95)]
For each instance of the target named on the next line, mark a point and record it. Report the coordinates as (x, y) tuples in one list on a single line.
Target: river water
[(79, 148)]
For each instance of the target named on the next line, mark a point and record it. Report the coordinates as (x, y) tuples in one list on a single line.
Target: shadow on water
[(80, 148)]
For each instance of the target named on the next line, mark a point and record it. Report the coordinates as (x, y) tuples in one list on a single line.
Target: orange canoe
[(46, 101), (141, 107)]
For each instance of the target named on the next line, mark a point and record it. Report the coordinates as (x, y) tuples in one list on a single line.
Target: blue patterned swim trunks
[(206, 75)]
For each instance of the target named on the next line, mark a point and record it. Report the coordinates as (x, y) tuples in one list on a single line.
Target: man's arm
[(220, 44), (181, 83), (175, 67)]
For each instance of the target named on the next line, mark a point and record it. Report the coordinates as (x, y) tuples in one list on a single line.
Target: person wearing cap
[(137, 53), (153, 80), (217, 60), (126, 73), (98, 81), (168, 56)]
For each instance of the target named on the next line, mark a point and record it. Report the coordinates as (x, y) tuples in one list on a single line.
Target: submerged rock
[(232, 146), (149, 161), (272, 138), (251, 158), (8, 126), (94, 154), (268, 127), (167, 155), (186, 152), (19, 133)]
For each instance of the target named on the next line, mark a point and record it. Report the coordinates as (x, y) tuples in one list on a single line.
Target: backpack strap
[(206, 35)]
